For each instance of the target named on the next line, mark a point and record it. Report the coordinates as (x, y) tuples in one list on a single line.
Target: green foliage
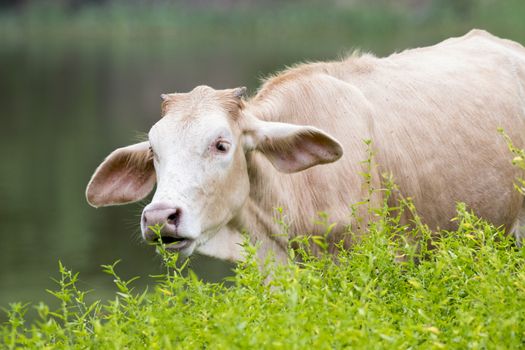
[(518, 160), (467, 292)]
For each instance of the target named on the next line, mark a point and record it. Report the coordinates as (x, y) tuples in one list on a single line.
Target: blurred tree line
[(72, 4), (460, 6)]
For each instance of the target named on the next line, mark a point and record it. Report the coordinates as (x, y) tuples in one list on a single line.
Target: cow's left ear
[(127, 175), (291, 148)]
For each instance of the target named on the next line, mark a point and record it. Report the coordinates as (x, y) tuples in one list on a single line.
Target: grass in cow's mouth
[(164, 240)]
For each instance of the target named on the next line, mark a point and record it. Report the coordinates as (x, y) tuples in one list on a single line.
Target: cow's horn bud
[(239, 92), (164, 97)]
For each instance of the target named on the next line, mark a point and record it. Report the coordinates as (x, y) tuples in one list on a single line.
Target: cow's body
[(432, 115)]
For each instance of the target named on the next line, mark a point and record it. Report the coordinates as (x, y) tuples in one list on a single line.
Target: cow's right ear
[(289, 147), (127, 175)]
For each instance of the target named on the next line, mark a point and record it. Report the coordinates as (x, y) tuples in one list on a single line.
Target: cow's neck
[(295, 193), (258, 216)]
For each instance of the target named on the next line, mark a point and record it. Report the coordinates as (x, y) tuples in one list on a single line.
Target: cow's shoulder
[(289, 75), (310, 73)]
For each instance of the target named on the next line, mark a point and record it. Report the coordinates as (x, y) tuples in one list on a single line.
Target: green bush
[(467, 292)]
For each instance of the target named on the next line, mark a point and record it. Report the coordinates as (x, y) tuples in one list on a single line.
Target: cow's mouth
[(173, 243)]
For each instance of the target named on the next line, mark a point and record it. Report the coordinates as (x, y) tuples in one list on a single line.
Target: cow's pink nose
[(167, 218)]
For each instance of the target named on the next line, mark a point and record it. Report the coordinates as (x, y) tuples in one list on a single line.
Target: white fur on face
[(207, 185)]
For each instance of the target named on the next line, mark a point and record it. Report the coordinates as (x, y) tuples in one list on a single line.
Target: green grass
[(468, 292)]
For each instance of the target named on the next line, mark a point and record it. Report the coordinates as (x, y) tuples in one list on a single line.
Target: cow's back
[(432, 115), (436, 126)]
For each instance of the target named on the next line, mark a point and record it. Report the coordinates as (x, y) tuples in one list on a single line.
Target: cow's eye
[(152, 154), (222, 146)]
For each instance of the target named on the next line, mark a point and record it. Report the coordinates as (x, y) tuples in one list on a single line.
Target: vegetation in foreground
[(468, 292)]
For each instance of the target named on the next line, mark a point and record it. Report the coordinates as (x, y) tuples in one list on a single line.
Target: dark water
[(66, 104), (68, 100)]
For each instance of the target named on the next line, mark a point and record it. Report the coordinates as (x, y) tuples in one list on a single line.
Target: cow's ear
[(291, 148), (126, 175)]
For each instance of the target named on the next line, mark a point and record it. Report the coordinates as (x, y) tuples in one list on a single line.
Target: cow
[(223, 162)]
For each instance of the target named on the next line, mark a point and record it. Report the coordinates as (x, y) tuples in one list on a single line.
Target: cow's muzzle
[(160, 223)]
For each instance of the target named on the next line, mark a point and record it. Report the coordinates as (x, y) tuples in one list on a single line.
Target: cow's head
[(196, 154)]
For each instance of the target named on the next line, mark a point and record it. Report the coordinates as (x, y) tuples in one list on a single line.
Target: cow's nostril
[(173, 218)]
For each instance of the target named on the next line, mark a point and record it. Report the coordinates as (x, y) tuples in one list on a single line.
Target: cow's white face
[(201, 173), (196, 154)]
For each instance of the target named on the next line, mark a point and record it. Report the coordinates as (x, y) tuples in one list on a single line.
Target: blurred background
[(80, 78)]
